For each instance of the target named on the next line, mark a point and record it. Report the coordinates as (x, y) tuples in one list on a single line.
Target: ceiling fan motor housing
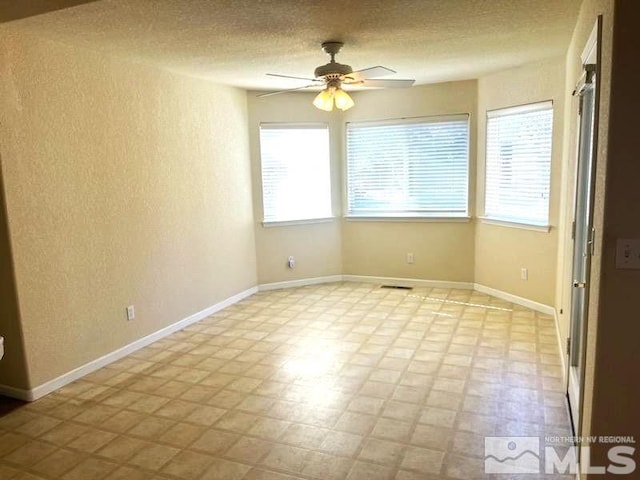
[(333, 68)]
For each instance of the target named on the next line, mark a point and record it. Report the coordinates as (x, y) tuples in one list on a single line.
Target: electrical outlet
[(410, 258), (291, 263), (524, 274), (131, 312)]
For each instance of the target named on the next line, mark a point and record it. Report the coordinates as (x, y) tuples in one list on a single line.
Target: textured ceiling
[(237, 42)]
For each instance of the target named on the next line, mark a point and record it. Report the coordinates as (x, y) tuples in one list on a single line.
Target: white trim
[(518, 109), (589, 52), (305, 221), (408, 282), (538, 307), (265, 287), (406, 218), (561, 346), (513, 224), (17, 393), (455, 117), (293, 126), (59, 382), (92, 366)]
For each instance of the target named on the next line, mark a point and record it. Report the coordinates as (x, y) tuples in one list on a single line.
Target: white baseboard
[(524, 302), (561, 346), (17, 393), (59, 382), (539, 307), (299, 283), (408, 282), (65, 379)]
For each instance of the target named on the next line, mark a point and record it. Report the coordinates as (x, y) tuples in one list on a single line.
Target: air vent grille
[(397, 287)]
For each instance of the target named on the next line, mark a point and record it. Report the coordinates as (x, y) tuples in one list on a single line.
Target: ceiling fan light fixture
[(333, 75), (343, 100), (324, 100)]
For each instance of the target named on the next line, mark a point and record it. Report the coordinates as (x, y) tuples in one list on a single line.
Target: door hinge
[(568, 345), (573, 230)]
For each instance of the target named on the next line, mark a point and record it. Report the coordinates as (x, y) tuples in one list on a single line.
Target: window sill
[(370, 218), (512, 224), (306, 221)]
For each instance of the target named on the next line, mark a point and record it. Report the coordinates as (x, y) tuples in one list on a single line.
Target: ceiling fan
[(334, 76)]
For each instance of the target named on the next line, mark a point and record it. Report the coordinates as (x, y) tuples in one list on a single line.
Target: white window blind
[(518, 167), (405, 168), (296, 182)]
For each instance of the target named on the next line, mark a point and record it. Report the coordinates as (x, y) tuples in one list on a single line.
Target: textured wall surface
[(586, 21), (13, 367), (502, 251), (316, 247), (128, 184), (613, 358), (442, 251), (125, 185)]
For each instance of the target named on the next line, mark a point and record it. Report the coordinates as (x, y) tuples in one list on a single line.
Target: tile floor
[(336, 381)]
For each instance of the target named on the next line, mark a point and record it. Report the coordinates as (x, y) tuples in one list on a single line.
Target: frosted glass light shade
[(343, 100), (324, 100)]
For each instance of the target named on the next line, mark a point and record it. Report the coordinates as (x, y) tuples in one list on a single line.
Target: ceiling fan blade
[(386, 83), (268, 94), (296, 78), (371, 72)]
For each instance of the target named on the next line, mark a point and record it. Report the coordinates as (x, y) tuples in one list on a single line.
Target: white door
[(583, 233)]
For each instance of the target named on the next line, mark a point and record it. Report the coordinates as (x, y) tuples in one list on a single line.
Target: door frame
[(591, 55)]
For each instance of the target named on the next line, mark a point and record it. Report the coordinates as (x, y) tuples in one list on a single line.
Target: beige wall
[(130, 160), (502, 251), (573, 66), (13, 367), (453, 251), (617, 363), (612, 394), (124, 185), (316, 247), (442, 250)]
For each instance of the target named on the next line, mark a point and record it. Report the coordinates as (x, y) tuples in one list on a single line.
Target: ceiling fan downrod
[(333, 67)]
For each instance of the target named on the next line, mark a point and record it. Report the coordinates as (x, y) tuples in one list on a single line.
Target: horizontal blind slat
[(518, 164), (295, 172), (417, 167)]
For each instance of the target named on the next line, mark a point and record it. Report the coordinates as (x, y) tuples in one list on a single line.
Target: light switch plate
[(628, 253)]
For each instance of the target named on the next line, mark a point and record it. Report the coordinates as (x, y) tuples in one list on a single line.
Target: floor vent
[(396, 287)]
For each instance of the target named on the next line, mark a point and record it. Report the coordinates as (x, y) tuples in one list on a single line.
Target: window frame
[(409, 216), (292, 126), (518, 222)]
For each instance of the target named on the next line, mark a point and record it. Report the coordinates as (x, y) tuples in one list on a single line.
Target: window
[(408, 168), (518, 167), (296, 183)]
